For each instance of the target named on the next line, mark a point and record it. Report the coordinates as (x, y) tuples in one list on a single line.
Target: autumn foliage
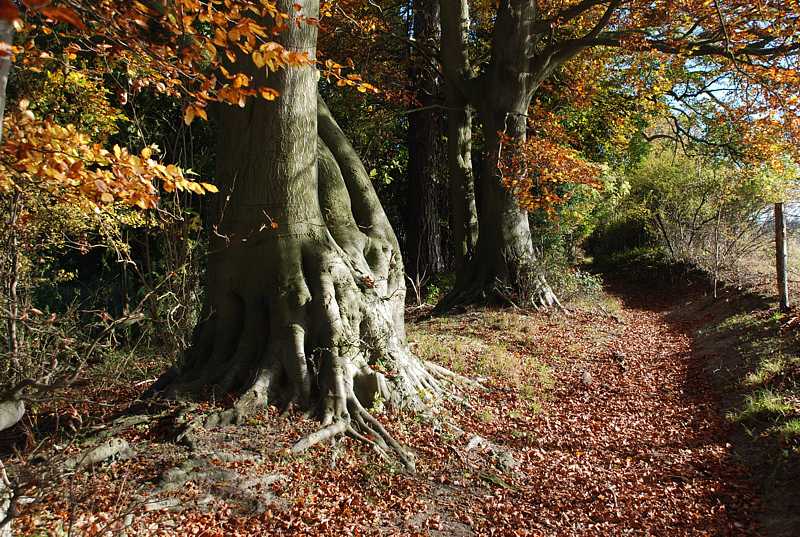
[(717, 76), (537, 169), (69, 166)]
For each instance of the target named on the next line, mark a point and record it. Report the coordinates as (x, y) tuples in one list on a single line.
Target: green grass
[(487, 347), (790, 430), (770, 368), (768, 382), (763, 405)]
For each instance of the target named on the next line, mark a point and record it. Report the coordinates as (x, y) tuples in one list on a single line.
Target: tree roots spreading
[(517, 283), (336, 353), (311, 315)]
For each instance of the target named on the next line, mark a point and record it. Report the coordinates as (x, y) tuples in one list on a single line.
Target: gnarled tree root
[(480, 285), (308, 314), (343, 413)]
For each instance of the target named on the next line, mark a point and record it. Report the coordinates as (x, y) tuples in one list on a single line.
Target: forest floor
[(609, 421)]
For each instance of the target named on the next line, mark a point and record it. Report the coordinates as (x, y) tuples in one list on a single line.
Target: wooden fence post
[(781, 257)]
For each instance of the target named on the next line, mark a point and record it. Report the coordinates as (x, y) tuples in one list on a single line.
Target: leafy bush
[(702, 212), (83, 267)]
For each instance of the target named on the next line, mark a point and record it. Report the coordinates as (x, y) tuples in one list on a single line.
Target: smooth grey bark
[(305, 284), (455, 58), (425, 256), (6, 497), (10, 411), (505, 262)]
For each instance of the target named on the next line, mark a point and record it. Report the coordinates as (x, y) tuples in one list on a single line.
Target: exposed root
[(451, 377), (307, 315), (361, 425), (114, 447), (530, 291), (322, 435)]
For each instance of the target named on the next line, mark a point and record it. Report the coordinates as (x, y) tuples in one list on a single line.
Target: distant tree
[(739, 56), (425, 211)]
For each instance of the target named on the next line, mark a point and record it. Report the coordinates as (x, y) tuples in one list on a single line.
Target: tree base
[(319, 330), (342, 414), (305, 288), (522, 285)]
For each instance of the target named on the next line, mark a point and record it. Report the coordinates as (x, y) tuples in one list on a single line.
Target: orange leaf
[(63, 14), (188, 115), (268, 93), (8, 11)]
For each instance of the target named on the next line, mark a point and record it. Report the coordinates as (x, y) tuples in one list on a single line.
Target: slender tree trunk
[(6, 40), (505, 262), (463, 212), (305, 284), (5, 504), (12, 283), (425, 152), (10, 411)]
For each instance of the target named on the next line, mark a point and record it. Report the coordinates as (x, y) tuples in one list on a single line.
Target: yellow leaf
[(268, 93), (188, 115), (196, 188), (210, 188)]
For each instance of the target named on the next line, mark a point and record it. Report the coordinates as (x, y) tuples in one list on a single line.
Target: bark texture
[(463, 213), (5, 504), (505, 263), (305, 290), (11, 412), (425, 253)]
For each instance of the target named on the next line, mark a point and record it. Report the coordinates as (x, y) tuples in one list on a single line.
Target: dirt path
[(597, 424), (655, 457), (637, 446)]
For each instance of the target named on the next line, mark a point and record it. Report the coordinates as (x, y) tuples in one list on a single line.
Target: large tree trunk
[(425, 152), (455, 58), (505, 264), (305, 290)]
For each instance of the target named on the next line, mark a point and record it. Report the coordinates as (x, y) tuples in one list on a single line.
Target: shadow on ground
[(741, 345)]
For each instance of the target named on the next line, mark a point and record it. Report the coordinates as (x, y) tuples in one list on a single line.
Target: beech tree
[(306, 291), (426, 155), (749, 49), (455, 25), (305, 284)]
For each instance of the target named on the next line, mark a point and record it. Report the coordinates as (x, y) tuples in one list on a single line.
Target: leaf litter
[(641, 449)]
